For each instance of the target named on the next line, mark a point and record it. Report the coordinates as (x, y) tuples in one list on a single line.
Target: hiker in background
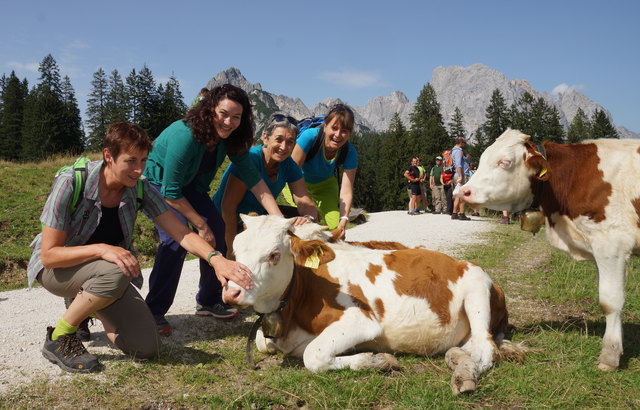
[(437, 189), (274, 163), (319, 168), (461, 164), (185, 159), (412, 174), (88, 254), (422, 199)]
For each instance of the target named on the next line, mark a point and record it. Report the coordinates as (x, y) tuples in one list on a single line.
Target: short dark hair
[(121, 136), (200, 117)]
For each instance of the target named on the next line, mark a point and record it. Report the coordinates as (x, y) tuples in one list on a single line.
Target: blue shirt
[(288, 171), (460, 161), (318, 168)]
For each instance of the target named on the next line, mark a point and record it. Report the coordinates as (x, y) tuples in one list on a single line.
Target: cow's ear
[(311, 253), (247, 217), (536, 161)]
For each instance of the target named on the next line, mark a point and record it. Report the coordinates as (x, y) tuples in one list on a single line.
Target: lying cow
[(349, 298), (590, 198)]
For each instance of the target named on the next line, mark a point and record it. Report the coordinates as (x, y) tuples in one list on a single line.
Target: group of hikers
[(85, 254), (451, 169)]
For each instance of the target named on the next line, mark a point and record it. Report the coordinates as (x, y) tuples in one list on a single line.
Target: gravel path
[(25, 314)]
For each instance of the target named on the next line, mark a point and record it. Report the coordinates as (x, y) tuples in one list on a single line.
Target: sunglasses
[(341, 107), (284, 118)]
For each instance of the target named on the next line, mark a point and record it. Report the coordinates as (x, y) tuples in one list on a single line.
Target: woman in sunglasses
[(273, 160), (184, 161), (320, 169)]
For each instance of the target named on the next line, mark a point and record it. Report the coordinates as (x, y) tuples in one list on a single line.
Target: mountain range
[(468, 88)]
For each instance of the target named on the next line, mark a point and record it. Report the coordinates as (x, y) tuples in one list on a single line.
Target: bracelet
[(311, 218), (346, 218), (212, 254)]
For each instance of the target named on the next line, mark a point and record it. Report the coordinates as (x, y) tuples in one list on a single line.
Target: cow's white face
[(264, 247), (503, 178)]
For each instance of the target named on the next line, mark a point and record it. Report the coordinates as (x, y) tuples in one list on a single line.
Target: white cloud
[(564, 87), (18, 66), (352, 78)]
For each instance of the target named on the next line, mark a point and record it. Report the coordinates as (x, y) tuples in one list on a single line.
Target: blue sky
[(353, 50)]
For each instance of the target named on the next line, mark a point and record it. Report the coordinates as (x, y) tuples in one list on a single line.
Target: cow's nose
[(465, 193), (232, 296)]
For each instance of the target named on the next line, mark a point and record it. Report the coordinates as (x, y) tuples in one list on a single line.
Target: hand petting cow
[(349, 306), (590, 198)]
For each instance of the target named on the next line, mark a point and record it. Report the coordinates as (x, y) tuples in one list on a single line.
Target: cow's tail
[(511, 352)]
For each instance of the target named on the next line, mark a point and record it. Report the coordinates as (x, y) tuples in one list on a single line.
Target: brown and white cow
[(590, 197), (355, 300)]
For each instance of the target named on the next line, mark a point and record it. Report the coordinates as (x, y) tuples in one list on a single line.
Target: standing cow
[(340, 299), (590, 198)]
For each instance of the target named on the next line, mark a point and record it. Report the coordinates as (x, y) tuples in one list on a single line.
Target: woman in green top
[(184, 161)]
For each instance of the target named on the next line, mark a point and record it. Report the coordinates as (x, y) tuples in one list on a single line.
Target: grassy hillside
[(23, 191)]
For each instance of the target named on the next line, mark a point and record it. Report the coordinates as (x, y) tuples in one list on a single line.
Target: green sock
[(63, 328)]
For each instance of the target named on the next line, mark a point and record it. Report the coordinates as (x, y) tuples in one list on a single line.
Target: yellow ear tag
[(542, 172), (313, 261)]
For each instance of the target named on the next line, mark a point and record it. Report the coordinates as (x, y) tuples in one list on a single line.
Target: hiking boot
[(218, 311), (463, 217), (69, 353), (162, 324), (454, 216), (504, 220), (83, 332)]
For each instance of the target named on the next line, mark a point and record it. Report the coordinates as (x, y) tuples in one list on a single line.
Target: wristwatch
[(212, 254)]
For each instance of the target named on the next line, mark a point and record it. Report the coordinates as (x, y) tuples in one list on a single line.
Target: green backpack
[(79, 180)]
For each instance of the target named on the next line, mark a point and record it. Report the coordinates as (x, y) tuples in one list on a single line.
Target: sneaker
[(463, 217), (454, 216), (83, 332), (69, 353), (504, 220), (162, 324), (218, 311)]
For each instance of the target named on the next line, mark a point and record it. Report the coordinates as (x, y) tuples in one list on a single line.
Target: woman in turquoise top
[(319, 171), (274, 163), (184, 161)]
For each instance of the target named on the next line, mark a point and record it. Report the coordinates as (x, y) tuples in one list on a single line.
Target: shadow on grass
[(572, 324)]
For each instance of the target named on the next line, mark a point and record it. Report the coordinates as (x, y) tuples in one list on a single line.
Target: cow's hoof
[(608, 361), (462, 384), (455, 356), (384, 361)]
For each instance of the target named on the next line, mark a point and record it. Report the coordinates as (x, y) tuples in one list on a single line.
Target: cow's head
[(270, 247), (505, 173)]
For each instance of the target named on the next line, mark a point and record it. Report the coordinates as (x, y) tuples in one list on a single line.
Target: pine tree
[(580, 128), (145, 99), (73, 134), (521, 113), (393, 161), (496, 120), (43, 127), (366, 190), (428, 137), (456, 125), (553, 129), (97, 110), (14, 93), (601, 127), (118, 106), (132, 94), (171, 106)]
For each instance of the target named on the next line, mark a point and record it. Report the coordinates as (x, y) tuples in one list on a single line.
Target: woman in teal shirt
[(273, 160), (319, 170), (184, 161)]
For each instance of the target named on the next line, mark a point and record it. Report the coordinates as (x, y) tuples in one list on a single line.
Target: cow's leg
[(611, 280), (477, 306), (351, 330)]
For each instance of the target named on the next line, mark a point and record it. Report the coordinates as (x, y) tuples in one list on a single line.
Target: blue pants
[(164, 278)]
